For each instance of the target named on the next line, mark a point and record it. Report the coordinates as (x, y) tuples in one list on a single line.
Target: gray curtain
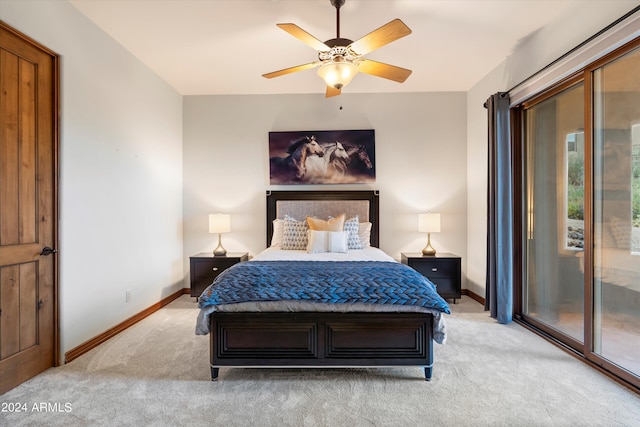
[(500, 258)]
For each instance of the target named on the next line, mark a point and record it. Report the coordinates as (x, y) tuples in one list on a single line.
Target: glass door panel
[(554, 203), (616, 287)]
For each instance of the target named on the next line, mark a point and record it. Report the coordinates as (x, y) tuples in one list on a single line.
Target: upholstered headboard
[(321, 204)]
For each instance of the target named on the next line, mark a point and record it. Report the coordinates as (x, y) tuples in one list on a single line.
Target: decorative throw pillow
[(364, 232), (326, 241), (332, 224), (278, 230), (294, 234), (353, 237)]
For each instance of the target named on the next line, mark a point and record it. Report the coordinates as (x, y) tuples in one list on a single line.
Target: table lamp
[(429, 223), (219, 223)]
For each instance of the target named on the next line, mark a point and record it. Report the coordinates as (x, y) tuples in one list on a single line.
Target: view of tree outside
[(575, 190)]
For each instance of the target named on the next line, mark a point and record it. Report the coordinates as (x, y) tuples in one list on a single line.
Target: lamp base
[(219, 251), (428, 250)]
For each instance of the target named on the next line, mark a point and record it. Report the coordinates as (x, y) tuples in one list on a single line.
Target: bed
[(333, 321)]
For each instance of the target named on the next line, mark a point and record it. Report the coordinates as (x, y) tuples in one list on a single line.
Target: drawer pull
[(434, 269), (215, 269)]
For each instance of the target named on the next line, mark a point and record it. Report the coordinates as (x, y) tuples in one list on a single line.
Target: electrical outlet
[(128, 296)]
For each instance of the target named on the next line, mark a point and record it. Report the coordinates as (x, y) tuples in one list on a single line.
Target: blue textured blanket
[(340, 282)]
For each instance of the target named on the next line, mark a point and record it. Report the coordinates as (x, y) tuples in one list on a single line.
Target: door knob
[(46, 251)]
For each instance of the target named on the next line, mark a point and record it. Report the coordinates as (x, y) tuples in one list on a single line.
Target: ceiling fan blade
[(290, 70), (332, 91), (389, 32), (305, 37), (380, 69)]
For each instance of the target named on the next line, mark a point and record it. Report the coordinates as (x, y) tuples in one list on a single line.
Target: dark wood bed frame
[(316, 339)]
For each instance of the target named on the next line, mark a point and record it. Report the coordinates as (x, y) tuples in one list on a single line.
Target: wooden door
[(28, 208)]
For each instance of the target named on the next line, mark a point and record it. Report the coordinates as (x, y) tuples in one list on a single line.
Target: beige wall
[(420, 162), (121, 173)]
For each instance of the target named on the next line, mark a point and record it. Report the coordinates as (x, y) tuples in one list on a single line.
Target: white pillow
[(326, 241), (278, 232), (364, 232)]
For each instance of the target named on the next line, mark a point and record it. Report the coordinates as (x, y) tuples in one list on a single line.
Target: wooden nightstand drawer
[(444, 270), (445, 286), (205, 268), (435, 267), (210, 268)]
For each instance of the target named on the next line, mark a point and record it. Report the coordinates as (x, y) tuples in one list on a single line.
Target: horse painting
[(292, 168), (359, 159), (338, 162), (322, 157), (321, 169)]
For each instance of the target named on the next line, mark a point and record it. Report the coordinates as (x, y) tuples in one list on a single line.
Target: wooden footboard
[(321, 340)]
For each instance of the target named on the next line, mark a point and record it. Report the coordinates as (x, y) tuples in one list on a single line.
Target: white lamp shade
[(429, 223), (337, 74), (219, 223)]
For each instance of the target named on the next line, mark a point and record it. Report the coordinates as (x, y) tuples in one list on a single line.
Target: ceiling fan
[(340, 59)]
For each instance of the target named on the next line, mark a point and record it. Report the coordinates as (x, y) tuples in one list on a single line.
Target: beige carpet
[(156, 374)]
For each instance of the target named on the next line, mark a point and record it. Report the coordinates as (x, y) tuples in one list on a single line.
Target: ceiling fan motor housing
[(339, 49), (338, 42)]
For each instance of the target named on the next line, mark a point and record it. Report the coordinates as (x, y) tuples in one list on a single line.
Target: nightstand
[(205, 267), (443, 269)]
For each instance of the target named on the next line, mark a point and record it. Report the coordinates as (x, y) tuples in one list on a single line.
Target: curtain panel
[(500, 211)]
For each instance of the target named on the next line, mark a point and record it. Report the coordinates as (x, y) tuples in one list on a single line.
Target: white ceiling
[(224, 46)]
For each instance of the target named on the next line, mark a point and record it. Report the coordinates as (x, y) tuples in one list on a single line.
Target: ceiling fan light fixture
[(337, 74), (340, 59)]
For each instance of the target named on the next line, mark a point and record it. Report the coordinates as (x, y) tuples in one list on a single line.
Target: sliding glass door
[(580, 222), (616, 255), (554, 267)]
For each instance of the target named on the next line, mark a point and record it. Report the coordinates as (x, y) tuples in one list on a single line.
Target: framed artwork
[(322, 157)]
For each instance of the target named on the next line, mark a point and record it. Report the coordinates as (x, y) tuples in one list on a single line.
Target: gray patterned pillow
[(352, 227), (294, 236)]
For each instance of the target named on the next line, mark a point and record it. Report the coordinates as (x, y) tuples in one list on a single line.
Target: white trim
[(606, 42)]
